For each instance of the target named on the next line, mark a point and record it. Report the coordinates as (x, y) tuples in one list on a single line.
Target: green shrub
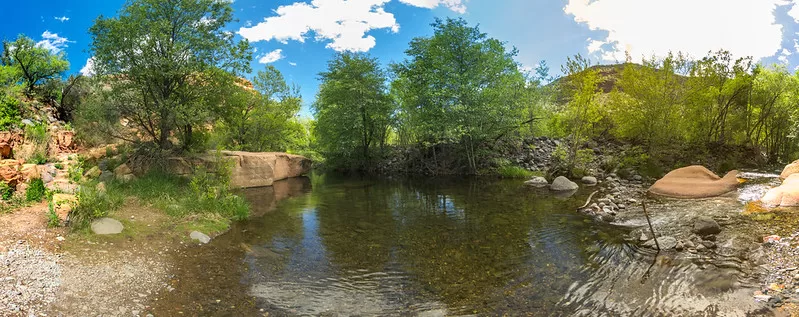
[(36, 190), (38, 158), (75, 172), (93, 204), (6, 192), (52, 217), (59, 166), (9, 112)]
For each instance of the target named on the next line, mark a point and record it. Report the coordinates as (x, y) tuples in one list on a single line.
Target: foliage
[(35, 191), (577, 166), (513, 171), (158, 62), (261, 119), (34, 64), (9, 111), (75, 172), (459, 86), (6, 192), (353, 111), (93, 204), (52, 217)]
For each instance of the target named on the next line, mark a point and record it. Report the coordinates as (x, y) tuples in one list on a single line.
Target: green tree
[(460, 87), (649, 104), (353, 110), (157, 60), (264, 117), (32, 63)]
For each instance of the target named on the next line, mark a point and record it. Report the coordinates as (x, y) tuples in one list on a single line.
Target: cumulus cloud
[(271, 57), (292, 63), (646, 27), (454, 5), (62, 19), (344, 23), (88, 69), (53, 42)]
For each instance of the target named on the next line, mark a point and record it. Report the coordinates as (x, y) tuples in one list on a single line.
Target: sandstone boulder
[(786, 195), (63, 205), (249, 169), (694, 182), (790, 169), (64, 142), (30, 171), (122, 170), (10, 172)]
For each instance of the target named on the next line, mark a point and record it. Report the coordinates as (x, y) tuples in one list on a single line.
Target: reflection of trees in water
[(355, 226), (461, 241)]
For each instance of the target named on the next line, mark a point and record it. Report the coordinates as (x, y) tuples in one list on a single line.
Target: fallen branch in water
[(589, 200), (646, 214)]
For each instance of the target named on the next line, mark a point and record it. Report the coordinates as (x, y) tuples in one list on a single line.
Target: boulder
[(249, 169), (790, 169), (93, 172), (107, 226), (589, 180), (704, 226), (200, 237), (785, 195), (10, 172), (562, 183), (666, 243), (63, 205), (64, 141), (694, 182), (122, 170), (537, 182), (30, 171)]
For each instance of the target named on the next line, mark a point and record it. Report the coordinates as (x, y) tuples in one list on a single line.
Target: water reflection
[(447, 246)]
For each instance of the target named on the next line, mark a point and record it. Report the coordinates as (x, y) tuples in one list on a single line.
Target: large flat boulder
[(790, 169), (694, 181), (785, 195), (250, 169)]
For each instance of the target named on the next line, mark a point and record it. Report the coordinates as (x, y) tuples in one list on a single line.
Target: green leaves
[(353, 110), (24, 60)]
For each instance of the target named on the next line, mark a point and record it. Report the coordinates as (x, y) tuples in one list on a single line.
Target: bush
[(9, 112), (93, 204), (36, 190), (6, 192)]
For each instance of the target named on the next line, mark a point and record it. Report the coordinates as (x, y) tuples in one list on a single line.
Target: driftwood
[(587, 202), (646, 214)]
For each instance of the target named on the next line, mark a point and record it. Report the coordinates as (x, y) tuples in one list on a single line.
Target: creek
[(335, 246)]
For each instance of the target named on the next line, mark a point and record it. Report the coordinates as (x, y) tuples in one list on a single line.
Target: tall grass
[(513, 171)]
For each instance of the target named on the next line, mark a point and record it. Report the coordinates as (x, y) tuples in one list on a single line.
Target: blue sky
[(299, 36)]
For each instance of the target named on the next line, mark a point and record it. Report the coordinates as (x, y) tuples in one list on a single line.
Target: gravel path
[(29, 280)]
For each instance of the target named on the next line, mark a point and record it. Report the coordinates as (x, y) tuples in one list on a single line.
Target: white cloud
[(62, 19), (292, 63), (594, 45), (794, 12), (344, 23), (646, 27), (454, 5), (88, 69), (53, 42), (271, 57)]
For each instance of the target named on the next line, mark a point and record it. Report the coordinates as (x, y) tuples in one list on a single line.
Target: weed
[(6, 192), (512, 171), (52, 218), (93, 204), (59, 166), (35, 191)]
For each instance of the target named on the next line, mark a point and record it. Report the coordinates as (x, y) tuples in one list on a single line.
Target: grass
[(512, 171), (36, 190)]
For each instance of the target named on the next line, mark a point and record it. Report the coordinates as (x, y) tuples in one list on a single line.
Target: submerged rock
[(107, 226), (199, 236), (666, 243), (563, 184), (704, 226), (537, 182)]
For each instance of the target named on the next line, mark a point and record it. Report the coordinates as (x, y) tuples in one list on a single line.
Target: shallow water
[(442, 247)]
